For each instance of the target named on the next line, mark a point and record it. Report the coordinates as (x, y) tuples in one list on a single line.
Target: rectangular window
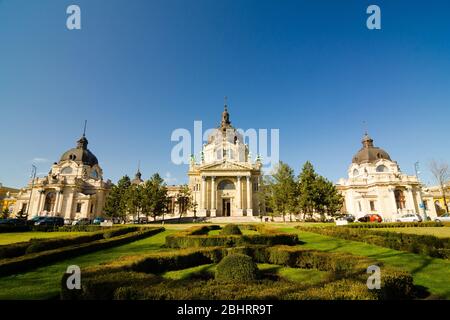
[(24, 207), (79, 207), (92, 208), (372, 206)]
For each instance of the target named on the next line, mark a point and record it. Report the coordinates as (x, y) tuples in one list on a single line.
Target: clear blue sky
[(140, 69)]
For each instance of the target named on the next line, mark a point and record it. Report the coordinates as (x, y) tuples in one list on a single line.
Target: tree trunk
[(444, 197)]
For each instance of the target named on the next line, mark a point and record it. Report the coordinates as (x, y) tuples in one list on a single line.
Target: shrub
[(231, 229), (236, 267)]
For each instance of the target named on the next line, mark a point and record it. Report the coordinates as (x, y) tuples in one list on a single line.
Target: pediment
[(226, 166)]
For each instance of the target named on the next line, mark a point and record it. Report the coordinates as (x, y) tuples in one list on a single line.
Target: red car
[(371, 218)]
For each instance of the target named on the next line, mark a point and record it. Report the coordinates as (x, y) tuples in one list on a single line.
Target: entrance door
[(226, 207)]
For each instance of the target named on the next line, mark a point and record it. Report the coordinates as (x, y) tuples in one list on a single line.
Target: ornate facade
[(225, 181), (375, 184), (74, 188)]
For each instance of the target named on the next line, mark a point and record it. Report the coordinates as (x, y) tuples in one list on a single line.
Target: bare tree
[(441, 173)]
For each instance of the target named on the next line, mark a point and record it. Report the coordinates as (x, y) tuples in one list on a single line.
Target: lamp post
[(422, 204), (33, 176)]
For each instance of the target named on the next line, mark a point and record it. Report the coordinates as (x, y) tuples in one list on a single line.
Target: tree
[(115, 204), (441, 173), (5, 213), (184, 200), (158, 196), (133, 200), (316, 194), (306, 189), (264, 195), (284, 191)]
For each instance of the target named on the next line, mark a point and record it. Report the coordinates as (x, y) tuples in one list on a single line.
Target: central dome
[(369, 153), (80, 154)]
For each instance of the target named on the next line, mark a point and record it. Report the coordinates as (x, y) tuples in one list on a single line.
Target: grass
[(190, 272), (44, 282), (8, 238), (441, 232), (431, 273)]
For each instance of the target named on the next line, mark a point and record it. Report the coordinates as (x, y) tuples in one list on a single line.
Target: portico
[(224, 182)]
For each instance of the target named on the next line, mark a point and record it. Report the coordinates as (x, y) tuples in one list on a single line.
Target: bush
[(370, 225), (236, 267), (231, 229), (4, 228)]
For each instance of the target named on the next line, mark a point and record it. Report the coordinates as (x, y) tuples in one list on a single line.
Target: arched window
[(355, 172), (50, 200), (66, 170), (400, 199), (225, 185), (382, 168)]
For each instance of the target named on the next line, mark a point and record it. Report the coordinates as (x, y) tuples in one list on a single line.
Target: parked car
[(142, 220), (50, 221), (371, 218), (13, 222), (444, 218), (35, 219), (98, 220), (410, 217), (67, 222), (348, 218), (81, 222)]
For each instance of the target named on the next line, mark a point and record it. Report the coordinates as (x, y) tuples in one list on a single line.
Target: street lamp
[(422, 204), (33, 176)]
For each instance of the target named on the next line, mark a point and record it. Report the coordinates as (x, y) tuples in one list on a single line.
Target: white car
[(410, 217), (444, 218)]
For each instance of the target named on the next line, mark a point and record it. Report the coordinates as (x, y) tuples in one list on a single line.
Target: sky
[(138, 70)]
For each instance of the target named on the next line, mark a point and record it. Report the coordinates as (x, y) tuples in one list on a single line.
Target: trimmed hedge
[(34, 260), (237, 267), (129, 278), (197, 237), (38, 245), (414, 243), (231, 229), (369, 225)]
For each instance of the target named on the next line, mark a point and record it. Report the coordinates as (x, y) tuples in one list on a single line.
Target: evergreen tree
[(115, 204), (283, 190), (306, 189)]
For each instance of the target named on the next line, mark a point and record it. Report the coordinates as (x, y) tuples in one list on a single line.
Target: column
[(239, 197), (68, 214), (410, 200), (40, 202), (213, 197), (249, 197), (202, 211), (60, 202), (394, 209), (55, 206)]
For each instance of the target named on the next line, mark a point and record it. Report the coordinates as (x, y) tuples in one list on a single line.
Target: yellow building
[(435, 193), (7, 199)]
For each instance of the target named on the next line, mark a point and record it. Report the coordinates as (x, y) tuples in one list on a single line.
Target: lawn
[(44, 282), (440, 232), (7, 238), (431, 273)]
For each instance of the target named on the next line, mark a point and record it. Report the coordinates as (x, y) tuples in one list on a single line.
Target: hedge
[(197, 237), (34, 260), (231, 229), (367, 225), (38, 245), (414, 243), (134, 278)]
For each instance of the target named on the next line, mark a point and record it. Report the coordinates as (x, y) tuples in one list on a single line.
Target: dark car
[(35, 219), (13, 222), (348, 218), (98, 220), (50, 221), (371, 218)]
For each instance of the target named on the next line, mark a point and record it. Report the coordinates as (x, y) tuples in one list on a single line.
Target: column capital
[(213, 178), (238, 177), (204, 178), (248, 178)]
